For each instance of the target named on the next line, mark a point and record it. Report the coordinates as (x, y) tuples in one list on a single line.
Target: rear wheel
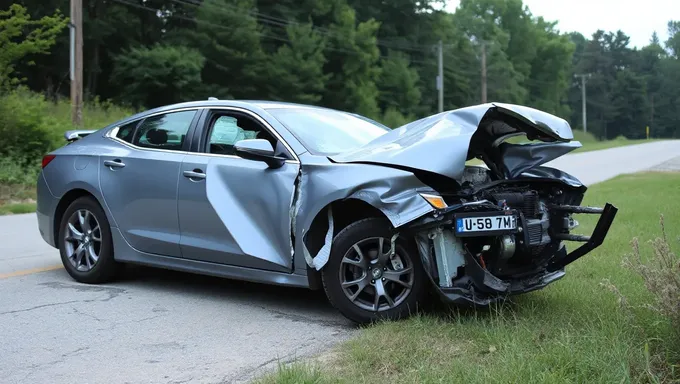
[(367, 280), (85, 242)]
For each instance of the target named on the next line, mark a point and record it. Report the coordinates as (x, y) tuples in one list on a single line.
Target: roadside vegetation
[(614, 318), (32, 126)]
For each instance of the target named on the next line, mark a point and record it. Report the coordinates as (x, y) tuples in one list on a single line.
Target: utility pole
[(483, 72), (583, 99), (76, 70), (440, 76)]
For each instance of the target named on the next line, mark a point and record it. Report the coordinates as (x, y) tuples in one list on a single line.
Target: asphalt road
[(156, 326)]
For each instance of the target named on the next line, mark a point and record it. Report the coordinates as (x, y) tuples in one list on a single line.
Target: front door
[(139, 181), (232, 210)]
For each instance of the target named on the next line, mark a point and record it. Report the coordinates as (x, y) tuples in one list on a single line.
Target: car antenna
[(212, 98)]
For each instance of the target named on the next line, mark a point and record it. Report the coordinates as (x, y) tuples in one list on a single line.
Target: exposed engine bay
[(495, 230), (501, 237)]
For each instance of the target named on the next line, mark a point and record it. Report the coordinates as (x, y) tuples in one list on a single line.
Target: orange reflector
[(434, 200)]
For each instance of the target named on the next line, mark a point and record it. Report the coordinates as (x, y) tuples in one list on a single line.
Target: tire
[(344, 266), (82, 266)]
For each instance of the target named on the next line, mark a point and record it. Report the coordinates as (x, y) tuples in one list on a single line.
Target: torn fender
[(394, 192), (441, 143)]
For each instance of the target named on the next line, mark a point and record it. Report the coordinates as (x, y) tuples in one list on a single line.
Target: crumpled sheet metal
[(394, 192), (543, 172), (381, 174), (519, 158), (440, 143)]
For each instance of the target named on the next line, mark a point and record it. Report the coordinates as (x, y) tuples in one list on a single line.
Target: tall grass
[(31, 126)]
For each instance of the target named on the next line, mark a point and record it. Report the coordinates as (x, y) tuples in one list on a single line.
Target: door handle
[(195, 174), (114, 163)]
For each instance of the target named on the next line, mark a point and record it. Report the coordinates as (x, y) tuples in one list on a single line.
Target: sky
[(637, 18)]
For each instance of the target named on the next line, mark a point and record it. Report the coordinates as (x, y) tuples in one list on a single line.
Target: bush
[(30, 127), (96, 114), (12, 173), (27, 131)]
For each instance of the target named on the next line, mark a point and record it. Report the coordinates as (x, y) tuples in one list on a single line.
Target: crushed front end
[(495, 238)]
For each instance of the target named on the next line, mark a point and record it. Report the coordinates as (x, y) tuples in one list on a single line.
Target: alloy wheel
[(83, 240), (376, 277)]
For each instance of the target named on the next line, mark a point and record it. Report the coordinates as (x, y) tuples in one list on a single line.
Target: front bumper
[(479, 287)]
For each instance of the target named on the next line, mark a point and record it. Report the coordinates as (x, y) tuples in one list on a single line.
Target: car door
[(139, 180), (232, 210)]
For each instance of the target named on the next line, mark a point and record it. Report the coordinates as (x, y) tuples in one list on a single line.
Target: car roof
[(213, 102), (252, 105), (264, 104)]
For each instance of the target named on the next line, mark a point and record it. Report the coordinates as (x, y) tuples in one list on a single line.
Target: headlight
[(434, 200)]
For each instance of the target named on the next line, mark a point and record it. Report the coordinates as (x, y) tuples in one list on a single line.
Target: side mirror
[(259, 150)]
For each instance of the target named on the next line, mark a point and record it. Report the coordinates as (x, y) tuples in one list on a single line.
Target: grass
[(17, 208), (17, 188), (572, 331)]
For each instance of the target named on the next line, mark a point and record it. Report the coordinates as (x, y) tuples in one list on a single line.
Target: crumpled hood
[(440, 143)]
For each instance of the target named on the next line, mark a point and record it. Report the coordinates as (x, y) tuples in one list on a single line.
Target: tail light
[(47, 159)]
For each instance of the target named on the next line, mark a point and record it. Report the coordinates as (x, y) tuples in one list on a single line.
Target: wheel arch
[(65, 201), (345, 212)]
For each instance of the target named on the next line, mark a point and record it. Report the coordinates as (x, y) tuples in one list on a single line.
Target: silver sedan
[(312, 197)]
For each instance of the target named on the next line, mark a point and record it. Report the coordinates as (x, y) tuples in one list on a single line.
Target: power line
[(283, 23), (261, 34)]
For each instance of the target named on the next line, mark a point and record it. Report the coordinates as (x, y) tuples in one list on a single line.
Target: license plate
[(469, 225)]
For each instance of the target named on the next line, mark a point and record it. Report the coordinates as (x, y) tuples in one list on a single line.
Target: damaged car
[(305, 196)]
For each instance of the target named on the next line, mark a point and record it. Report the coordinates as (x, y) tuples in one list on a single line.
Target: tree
[(296, 69), (629, 103), (483, 21), (20, 36), (228, 36), (550, 72), (353, 64), (159, 75), (398, 85), (673, 42)]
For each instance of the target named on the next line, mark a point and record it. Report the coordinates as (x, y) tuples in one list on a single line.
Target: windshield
[(325, 131)]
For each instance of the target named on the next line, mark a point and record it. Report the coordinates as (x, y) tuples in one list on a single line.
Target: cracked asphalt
[(155, 326)]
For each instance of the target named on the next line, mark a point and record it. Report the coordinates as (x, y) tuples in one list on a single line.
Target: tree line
[(372, 57)]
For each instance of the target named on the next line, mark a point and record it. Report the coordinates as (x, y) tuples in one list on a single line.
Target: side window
[(167, 131), (228, 128), (125, 132)]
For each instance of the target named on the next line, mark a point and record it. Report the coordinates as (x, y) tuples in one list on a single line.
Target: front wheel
[(368, 279)]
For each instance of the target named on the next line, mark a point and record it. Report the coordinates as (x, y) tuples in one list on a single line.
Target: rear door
[(232, 210), (139, 180)]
